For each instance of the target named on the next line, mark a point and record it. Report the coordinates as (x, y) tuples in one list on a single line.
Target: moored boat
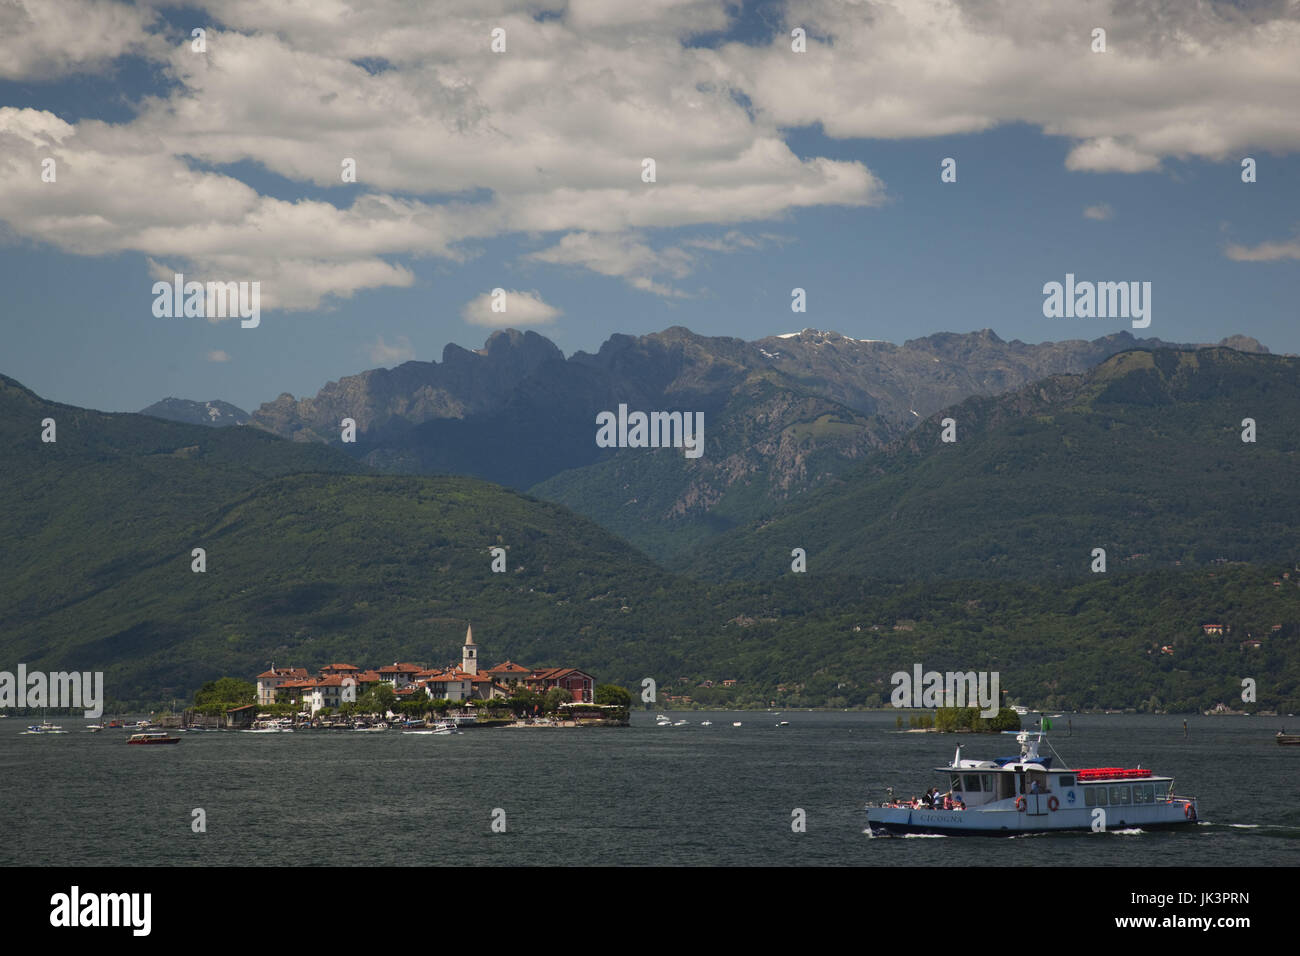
[(1026, 794), (1288, 740), (153, 737), (44, 727)]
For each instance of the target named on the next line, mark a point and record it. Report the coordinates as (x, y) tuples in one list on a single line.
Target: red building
[(579, 684)]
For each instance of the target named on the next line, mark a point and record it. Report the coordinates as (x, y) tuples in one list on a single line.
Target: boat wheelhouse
[(1026, 794)]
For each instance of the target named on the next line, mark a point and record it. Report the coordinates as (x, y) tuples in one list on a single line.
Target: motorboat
[(1027, 794), (44, 727), (153, 737)]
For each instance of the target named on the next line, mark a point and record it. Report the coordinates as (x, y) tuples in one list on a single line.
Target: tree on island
[(524, 703), (217, 696), (612, 694), (378, 699), (554, 698)]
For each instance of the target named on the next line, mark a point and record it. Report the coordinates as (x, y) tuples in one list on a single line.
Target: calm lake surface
[(643, 795)]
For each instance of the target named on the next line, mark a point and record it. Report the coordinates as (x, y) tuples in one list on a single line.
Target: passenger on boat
[(947, 800), (1033, 787), (958, 803)]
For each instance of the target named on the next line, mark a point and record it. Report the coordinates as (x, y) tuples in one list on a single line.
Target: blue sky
[(884, 249)]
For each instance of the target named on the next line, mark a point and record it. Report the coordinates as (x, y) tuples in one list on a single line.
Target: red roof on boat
[(1111, 773)]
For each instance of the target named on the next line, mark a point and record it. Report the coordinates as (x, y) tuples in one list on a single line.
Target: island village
[(343, 695)]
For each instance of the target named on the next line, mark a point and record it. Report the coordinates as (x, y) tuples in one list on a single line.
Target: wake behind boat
[(1025, 794)]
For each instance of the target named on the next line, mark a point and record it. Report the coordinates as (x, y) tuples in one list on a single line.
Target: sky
[(522, 169)]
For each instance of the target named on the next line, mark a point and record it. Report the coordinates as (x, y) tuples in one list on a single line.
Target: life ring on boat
[(1053, 803), (1020, 804)]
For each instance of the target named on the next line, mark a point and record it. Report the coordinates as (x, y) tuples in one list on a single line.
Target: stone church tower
[(469, 653)]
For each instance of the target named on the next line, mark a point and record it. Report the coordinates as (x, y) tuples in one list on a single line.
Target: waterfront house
[(240, 717), (400, 675), (508, 673), (269, 681), (578, 683)]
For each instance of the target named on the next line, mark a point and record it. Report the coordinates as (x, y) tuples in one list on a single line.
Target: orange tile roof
[(285, 672), (509, 667)]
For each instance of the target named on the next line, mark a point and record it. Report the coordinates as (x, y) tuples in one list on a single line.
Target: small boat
[(94, 728), (783, 723), (736, 724), (1288, 740), (44, 727), (263, 727), (679, 723), (153, 737), (444, 727), (377, 728), (706, 723)]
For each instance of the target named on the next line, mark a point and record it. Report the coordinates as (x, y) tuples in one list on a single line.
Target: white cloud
[(45, 39), (521, 309), (381, 353), (1265, 251), (1105, 154), (620, 255), (1199, 78), (1101, 212), (218, 355), (629, 257)]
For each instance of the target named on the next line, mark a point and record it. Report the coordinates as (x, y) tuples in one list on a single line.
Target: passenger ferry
[(1025, 794)]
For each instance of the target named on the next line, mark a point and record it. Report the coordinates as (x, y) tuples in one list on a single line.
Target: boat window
[(1095, 797), (986, 779), (972, 783), (1067, 780), (1118, 796), (1144, 793), (1007, 786)]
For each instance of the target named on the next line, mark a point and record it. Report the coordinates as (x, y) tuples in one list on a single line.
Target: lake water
[(718, 795)]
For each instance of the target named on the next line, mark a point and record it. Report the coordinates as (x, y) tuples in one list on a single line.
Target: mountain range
[(784, 415)]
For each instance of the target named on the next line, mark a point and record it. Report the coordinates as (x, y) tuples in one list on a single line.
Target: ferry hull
[(1013, 822)]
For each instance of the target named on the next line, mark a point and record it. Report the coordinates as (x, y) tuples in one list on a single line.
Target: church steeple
[(469, 652)]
